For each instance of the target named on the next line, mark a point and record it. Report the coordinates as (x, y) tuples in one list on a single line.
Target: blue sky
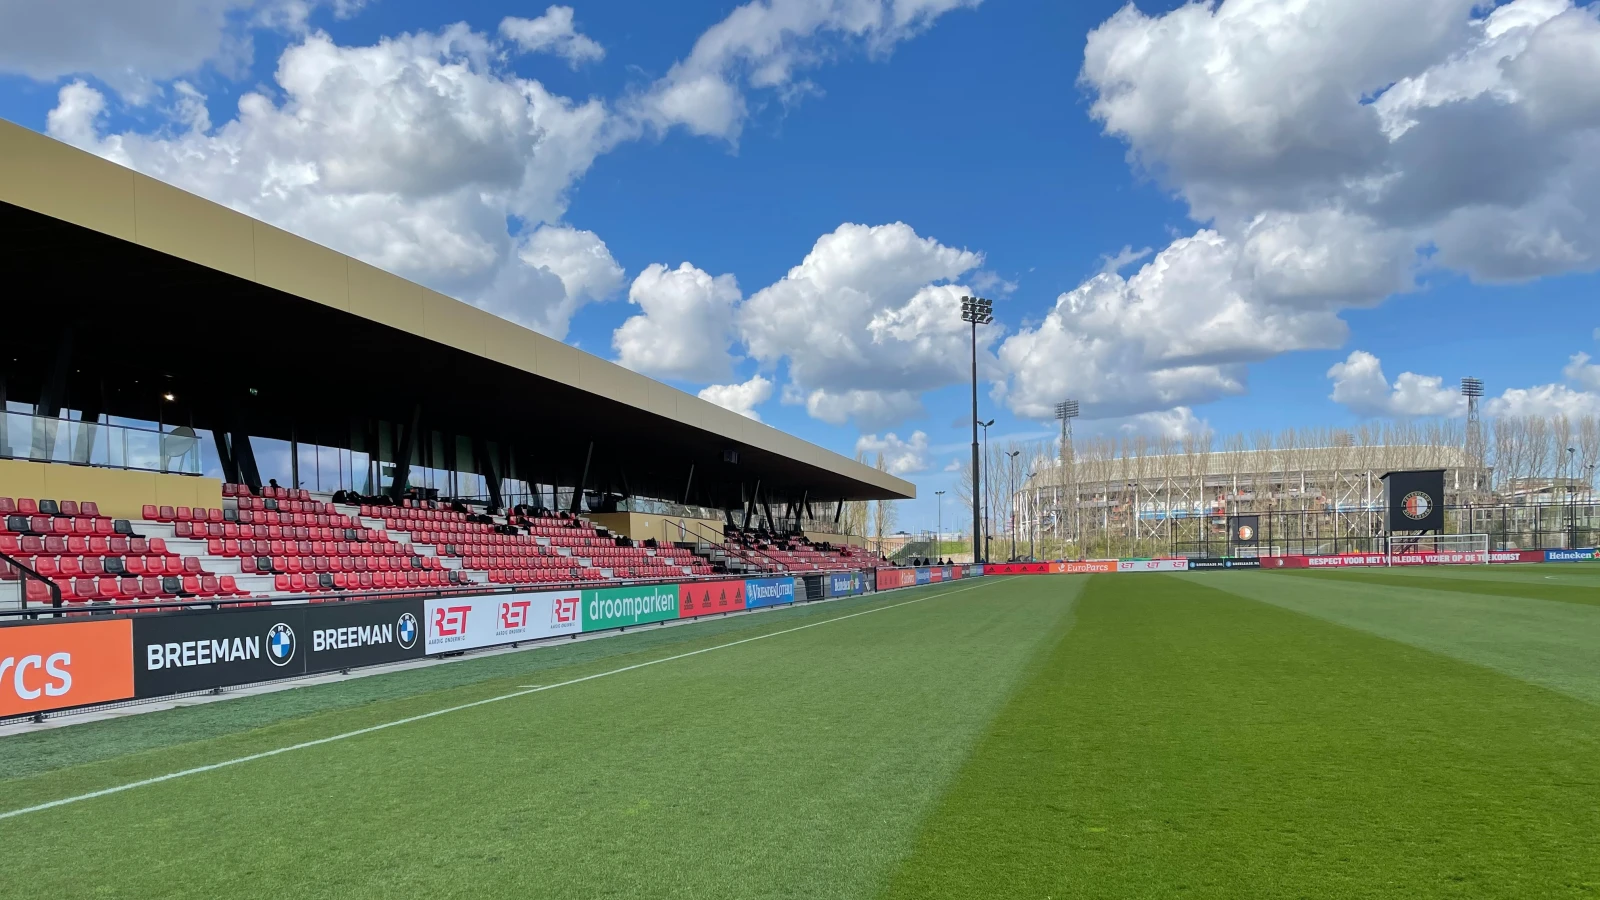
[(1421, 171)]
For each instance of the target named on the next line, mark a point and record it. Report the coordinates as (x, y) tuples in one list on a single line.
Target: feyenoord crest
[(280, 644), (1416, 505), (1246, 533)]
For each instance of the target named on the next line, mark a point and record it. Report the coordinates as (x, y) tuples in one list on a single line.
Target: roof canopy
[(252, 327)]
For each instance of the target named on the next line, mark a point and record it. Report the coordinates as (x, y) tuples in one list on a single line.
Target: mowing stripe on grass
[(1180, 741), (197, 770)]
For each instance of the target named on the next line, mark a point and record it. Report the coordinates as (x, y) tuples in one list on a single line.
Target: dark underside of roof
[(242, 357)]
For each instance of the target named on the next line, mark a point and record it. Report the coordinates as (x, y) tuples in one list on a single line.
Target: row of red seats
[(73, 566), (78, 545), (414, 514), (279, 533), (268, 565), (28, 507), (474, 540), (334, 520), (365, 581), (310, 548), (520, 562), (276, 493), (110, 589), (394, 524), (309, 507), (543, 576), (63, 525)]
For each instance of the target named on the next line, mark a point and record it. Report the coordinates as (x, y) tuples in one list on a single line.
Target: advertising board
[(708, 598), (889, 579), (950, 573), (54, 666), (628, 606), (1087, 566), (1153, 565), (759, 592), (467, 623), (196, 651), (923, 575), (1569, 555), (1033, 568), (1224, 562), (842, 584)]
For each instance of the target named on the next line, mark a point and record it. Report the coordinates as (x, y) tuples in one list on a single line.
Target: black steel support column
[(583, 480), (489, 468), (52, 398), (405, 450), (687, 485)]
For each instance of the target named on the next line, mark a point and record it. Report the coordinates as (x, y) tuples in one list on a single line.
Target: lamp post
[(1572, 498), (1066, 411), (976, 311), (938, 541), (988, 506)]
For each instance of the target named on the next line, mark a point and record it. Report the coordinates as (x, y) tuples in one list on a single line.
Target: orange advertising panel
[(45, 667), (706, 598), (1088, 566)]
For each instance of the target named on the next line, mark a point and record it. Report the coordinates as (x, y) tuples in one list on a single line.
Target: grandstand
[(188, 356)]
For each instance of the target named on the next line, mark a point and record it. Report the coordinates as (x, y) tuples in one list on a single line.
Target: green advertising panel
[(625, 606)]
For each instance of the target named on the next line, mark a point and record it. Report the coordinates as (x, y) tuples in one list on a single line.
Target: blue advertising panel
[(759, 592), (924, 575), (841, 584), (1581, 555)]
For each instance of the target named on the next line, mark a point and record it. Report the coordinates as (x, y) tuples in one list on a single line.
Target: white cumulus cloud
[(554, 32), (766, 45), (684, 325), (1359, 383), (1323, 145), (740, 398), (900, 457)]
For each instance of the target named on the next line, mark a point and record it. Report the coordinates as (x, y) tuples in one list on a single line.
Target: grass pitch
[(1237, 734)]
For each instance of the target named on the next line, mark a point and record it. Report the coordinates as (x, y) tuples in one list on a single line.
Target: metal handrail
[(22, 584)]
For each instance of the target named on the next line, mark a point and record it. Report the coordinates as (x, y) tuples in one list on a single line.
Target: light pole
[(1066, 411), (938, 540), (988, 506), (1011, 496), (1572, 498), (1033, 518), (976, 311)]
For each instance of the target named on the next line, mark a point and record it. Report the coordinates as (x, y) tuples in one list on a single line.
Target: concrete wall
[(642, 526), (119, 494)]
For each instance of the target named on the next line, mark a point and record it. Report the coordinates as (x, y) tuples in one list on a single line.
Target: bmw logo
[(280, 644), (1417, 505), (406, 631)]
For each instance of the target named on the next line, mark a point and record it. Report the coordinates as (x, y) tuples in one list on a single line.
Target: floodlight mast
[(1066, 411), (976, 311)]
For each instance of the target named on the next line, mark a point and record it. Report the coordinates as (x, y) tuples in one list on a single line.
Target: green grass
[(1240, 734)]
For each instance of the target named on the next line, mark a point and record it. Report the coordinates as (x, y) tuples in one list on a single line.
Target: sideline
[(452, 709)]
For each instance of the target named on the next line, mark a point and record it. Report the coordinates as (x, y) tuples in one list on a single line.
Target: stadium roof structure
[(147, 288)]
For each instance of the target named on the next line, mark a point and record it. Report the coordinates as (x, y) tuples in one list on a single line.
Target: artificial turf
[(1240, 734)]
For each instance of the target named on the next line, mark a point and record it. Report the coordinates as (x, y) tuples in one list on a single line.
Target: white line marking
[(197, 770)]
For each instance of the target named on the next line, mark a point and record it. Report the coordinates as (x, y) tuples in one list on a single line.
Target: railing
[(17, 573), (48, 439)]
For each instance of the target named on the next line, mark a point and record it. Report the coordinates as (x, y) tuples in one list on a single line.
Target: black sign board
[(196, 651), (1224, 562), (1244, 531), (1415, 500)]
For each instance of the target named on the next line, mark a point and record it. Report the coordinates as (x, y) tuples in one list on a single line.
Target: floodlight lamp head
[(977, 310), (1067, 409), (1471, 387)]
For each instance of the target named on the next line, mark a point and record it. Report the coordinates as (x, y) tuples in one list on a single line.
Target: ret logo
[(449, 621), (564, 611), (514, 614), (280, 644), (1417, 505)]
